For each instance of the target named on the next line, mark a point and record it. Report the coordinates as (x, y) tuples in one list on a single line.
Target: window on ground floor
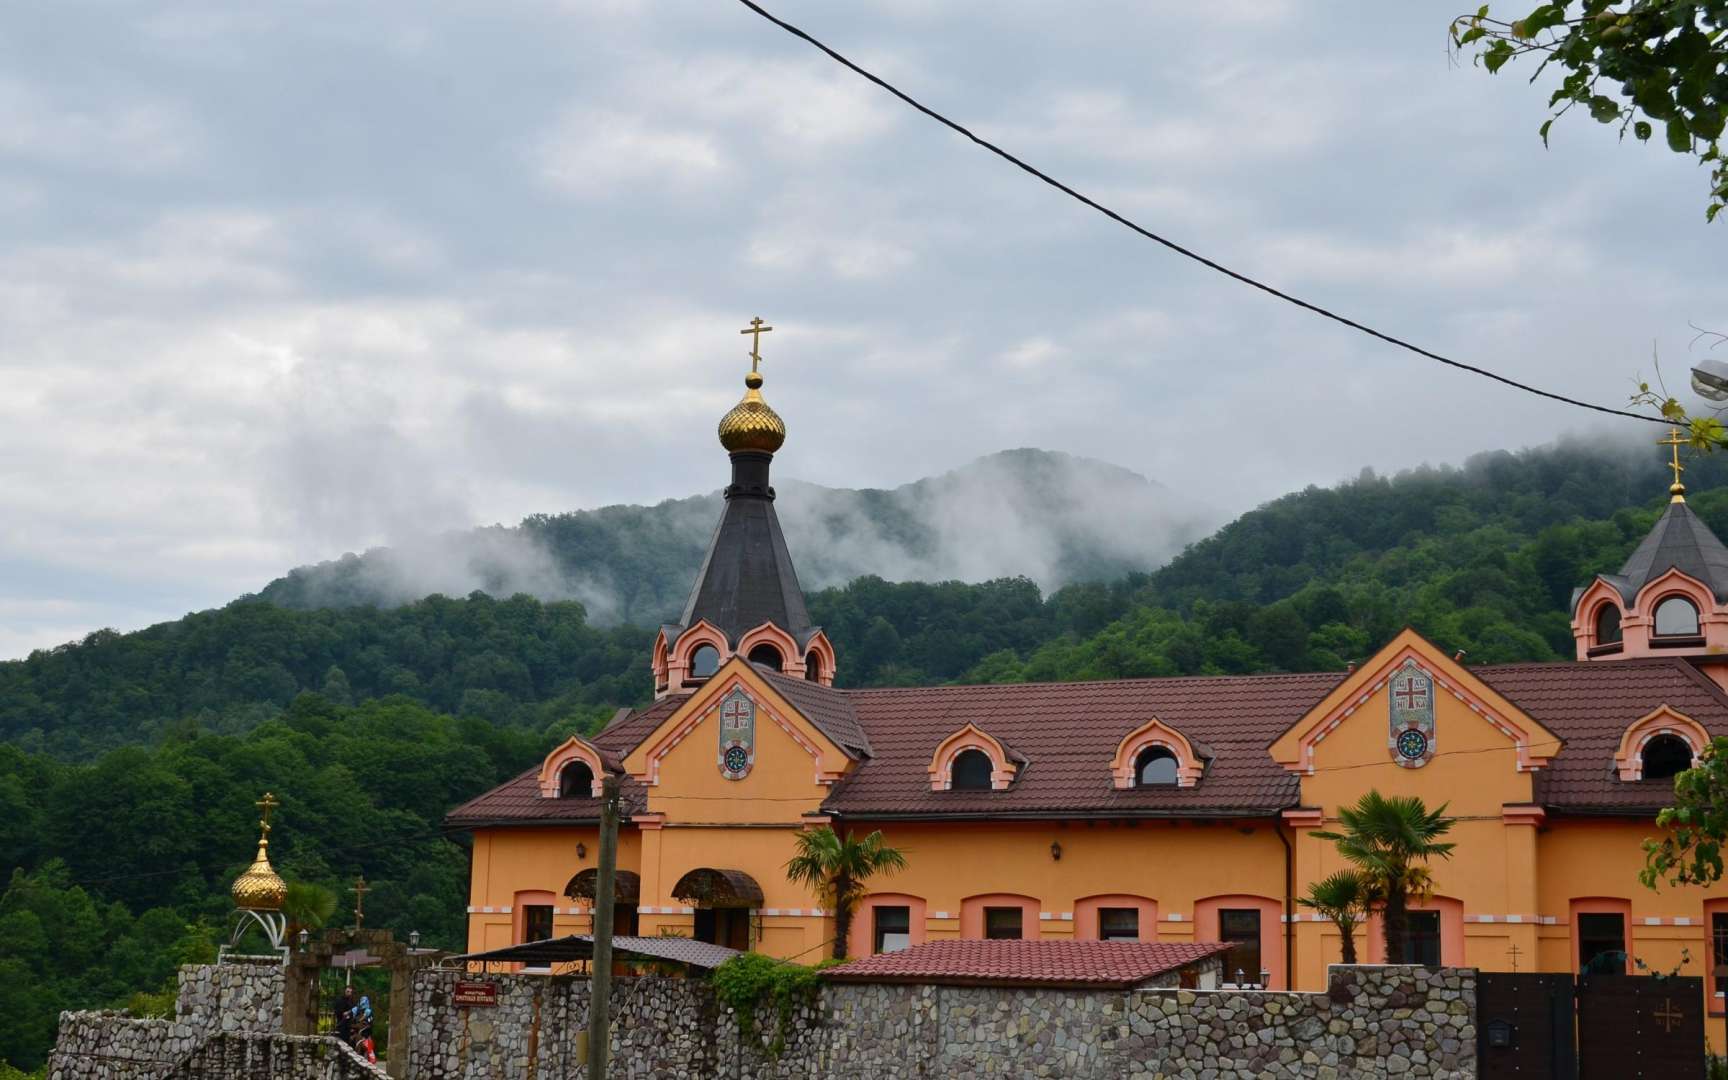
[(1002, 924), (624, 920), (1601, 943), (1118, 924), (1719, 949), (536, 922), (892, 929), (1240, 927), (1421, 938), (724, 926)]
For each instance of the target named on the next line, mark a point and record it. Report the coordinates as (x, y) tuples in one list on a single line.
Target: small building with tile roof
[(1177, 811)]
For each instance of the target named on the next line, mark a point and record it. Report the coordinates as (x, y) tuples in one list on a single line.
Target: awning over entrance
[(706, 887), (564, 950), (626, 886)]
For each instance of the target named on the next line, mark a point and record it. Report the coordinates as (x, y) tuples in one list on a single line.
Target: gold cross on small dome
[(268, 803), (1675, 442), (756, 330)]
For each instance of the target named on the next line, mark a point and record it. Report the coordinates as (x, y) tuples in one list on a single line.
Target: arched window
[(766, 655), (971, 771), (813, 667), (1676, 617), (576, 781), (704, 662), (1155, 767), (1608, 624), (1666, 756)]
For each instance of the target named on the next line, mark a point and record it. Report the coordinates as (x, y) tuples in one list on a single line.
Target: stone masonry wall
[(228, 1020), (1373, 1022)]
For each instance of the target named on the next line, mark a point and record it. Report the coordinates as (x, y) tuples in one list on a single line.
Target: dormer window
[(1676, 617), (576, 781), (704, 661), (1608, 624), (1665, 757), (971, 771), (813, 667), (1156, 767)]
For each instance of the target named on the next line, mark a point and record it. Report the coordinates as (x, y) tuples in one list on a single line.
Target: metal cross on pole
[(360, 891), (756, 330)]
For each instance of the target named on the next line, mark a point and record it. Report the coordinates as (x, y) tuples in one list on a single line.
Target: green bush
[(745, 980)]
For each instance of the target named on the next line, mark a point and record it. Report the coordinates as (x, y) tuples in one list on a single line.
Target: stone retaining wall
[(1372, 1022)]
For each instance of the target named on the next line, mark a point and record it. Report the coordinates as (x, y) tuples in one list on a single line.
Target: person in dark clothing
[(345, 1007)]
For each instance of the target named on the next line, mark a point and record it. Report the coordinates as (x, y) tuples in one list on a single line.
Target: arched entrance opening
[(726, 902)]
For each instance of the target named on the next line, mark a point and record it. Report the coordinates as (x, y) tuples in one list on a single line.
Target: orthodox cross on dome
[(1675, 442), (756, 329), (360, 891), (268, 803)]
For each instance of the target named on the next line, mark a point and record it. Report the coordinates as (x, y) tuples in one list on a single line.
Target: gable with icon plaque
[(737, 735), (1410, 692)]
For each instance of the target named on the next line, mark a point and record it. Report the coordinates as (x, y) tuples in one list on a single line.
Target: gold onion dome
[(260, 888), (752, 424)]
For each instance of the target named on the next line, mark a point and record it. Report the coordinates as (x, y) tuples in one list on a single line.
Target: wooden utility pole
[(600, 969)]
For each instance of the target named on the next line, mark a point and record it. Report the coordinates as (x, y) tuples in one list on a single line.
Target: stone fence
[(1373, 1021), (228, 1020)]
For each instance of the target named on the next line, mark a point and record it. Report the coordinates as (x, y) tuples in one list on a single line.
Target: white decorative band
[(1174, 916), (941, 915), (1056, 916), (795, 912)]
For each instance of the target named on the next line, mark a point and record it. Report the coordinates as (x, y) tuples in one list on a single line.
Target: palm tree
[(837, 869), (1387, 839), (307, 907), (1342, 897)]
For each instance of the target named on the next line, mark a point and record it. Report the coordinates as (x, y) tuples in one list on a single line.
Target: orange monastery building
[(1174, 809)]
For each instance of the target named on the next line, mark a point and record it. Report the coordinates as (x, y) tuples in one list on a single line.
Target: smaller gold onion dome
[(752, 425), (260, 888)]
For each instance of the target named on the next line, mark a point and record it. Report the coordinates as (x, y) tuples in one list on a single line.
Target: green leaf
[(1679, 139), (1604, 109), (1546, 125), (1495, 56), (1642, 130)]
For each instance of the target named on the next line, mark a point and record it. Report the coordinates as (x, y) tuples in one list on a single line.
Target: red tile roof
[(1066, 733), (1028, 963)]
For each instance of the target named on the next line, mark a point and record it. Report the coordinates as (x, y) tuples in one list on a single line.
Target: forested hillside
[(125, 797)]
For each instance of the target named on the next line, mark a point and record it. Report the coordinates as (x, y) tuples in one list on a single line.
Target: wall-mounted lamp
[(304, 938), (581, 850), (413, 939), (1055, 851)]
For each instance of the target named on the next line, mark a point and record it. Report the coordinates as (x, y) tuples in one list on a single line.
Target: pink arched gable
[(1629, 757), (970, 737), (1155, 732), (572, 749)]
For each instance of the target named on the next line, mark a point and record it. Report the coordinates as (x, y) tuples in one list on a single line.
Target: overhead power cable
[(1179, 249)]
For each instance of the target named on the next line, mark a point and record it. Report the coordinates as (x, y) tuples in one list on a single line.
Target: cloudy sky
[(285, 280)]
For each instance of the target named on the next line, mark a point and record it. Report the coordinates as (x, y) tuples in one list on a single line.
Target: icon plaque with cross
[(1410, 697), (737, 735)]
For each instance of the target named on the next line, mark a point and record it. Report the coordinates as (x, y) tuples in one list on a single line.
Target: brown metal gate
[(1632, 1026), (1524, 1026)]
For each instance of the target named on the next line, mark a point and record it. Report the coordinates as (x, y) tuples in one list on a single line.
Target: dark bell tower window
[(813, 667), (1607, 624), (766, 655), (971, 771), (704, 662), (1665, 757)]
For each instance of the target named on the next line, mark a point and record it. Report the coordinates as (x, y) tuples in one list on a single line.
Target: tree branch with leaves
[(1641, 65), (839, 869)]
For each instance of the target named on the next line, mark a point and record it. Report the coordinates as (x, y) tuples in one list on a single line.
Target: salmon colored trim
[(1452, 921), (791, 661), (1271, 932), (1155, 732), (703, 633), (1086, 914), (653, 820), (1535, 745), (1672, 583), (861, 940), (1601, 905), (1663, 720), (970, 737), (972, 914), (825, 658), (1599, 592), (659, 654), (1522, 814), (1305, 817), (572, 749)]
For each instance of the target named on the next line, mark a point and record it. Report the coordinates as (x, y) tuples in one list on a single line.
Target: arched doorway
[(725, 903)]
